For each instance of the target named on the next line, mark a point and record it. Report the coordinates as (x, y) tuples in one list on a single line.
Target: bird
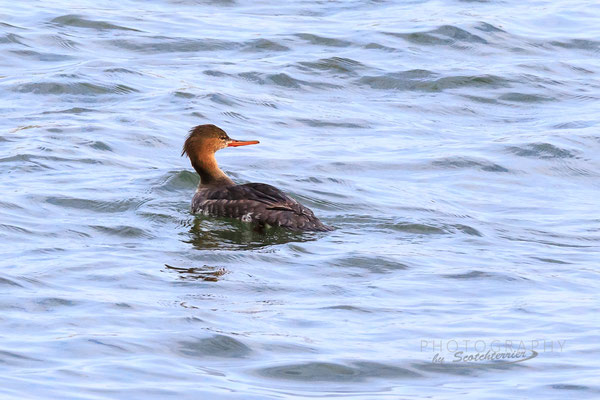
[(218, 196)]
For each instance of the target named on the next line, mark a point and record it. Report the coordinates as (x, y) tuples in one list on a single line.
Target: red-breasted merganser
[(219, 196)]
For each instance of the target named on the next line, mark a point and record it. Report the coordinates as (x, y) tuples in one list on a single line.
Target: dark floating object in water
[(219, 196), (204, 273)]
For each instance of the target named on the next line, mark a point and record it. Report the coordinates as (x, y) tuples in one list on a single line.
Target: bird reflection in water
[(212, 234), (216, 234)]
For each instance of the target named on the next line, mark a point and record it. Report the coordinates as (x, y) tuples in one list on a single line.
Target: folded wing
[(256, 202)]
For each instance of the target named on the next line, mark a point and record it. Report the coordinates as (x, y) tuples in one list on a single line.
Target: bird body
[(217, 195)]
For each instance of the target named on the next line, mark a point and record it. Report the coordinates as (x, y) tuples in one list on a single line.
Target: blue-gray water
[(453, 144)]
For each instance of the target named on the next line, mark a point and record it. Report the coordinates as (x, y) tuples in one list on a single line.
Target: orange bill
[(236, 143)]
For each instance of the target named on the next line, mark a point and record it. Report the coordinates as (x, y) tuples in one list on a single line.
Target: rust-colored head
[(200, 147), (207, 139)]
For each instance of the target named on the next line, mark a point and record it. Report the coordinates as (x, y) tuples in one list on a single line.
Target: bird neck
[(209, 171)]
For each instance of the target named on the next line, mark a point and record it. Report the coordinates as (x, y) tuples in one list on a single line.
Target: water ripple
[(423, 80), (74, 88), (444, 35), (80, 21), (541, 150)]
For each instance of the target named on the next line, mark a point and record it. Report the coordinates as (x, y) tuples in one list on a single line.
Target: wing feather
[(259, 202)]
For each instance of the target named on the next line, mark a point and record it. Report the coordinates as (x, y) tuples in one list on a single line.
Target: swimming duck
[(217, 195)]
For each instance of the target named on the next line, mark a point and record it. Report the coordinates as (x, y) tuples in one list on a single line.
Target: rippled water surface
[(453, 145)]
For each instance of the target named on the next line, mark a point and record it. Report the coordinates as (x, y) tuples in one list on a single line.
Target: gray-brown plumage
[(219, 196)]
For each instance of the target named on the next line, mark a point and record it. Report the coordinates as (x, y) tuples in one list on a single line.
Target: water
[(453, 144)]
